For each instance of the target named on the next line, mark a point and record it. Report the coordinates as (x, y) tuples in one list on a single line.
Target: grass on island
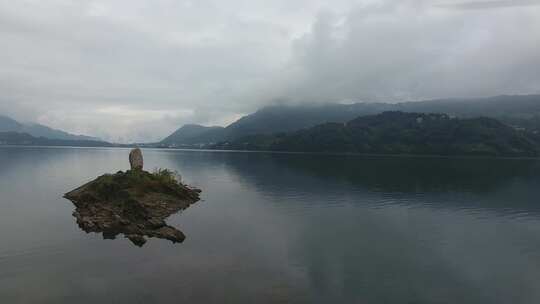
[(133, 184)]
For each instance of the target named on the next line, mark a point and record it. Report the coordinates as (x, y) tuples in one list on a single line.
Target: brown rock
[(136, 159)]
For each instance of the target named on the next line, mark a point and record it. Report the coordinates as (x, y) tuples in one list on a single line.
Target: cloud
[(136, 70), (490, 4), (392, 51)]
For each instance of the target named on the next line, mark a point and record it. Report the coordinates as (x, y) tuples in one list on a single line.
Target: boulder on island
[(134, 203), (136, 159)]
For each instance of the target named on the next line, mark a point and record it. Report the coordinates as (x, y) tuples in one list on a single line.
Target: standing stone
[(136, 159)]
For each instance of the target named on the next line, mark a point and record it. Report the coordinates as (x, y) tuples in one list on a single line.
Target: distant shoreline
[(287, 152)]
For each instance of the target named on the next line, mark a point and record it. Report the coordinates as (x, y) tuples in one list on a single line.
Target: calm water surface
[(278, 228)]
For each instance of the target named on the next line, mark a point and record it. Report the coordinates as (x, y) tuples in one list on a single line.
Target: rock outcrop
[(134, 203)]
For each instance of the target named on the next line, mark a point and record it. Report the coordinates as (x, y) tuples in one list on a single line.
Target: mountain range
[(37, 130), (519, 111), (25, 139), (401, 133)]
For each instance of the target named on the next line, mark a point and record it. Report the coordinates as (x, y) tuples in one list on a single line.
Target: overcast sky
[(135, 70)]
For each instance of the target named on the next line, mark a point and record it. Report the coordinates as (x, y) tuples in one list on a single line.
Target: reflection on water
[(440, 182), (281, 228)]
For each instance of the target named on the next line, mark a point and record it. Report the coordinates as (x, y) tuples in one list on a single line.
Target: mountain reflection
[(502, 185)]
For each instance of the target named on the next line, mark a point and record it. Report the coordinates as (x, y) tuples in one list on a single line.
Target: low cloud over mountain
[(136, 70)]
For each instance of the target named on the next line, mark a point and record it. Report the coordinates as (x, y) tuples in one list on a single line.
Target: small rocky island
[(134, 203)]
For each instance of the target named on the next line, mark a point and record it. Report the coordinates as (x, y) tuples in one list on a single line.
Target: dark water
[(276, 228)]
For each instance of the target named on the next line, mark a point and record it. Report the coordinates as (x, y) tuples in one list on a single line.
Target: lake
[(280, 228)]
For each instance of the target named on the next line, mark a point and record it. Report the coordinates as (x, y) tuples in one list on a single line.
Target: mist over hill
[(520, 111), (193, 134), (25, 139), (8, 124), (401, 133)]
